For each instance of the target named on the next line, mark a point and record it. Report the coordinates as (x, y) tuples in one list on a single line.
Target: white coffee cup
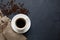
[(20, 23)]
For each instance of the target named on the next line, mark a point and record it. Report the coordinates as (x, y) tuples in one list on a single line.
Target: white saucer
[(24, 29)]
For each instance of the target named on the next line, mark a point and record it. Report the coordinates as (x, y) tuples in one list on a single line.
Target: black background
[(45, 19)]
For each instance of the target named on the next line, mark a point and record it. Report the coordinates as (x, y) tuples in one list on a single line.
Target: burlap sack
[(3, 23), (1, 37), (6, 32), (1, 15)]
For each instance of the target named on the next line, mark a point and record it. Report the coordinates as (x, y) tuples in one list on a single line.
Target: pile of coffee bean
[(12, 7)]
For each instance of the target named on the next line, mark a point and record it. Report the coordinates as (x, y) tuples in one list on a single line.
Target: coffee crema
[(20, 22)]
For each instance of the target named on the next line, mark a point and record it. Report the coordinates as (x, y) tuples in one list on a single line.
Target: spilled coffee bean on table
[(12, 7)]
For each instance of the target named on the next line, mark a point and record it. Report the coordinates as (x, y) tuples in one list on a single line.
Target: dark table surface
[(45, 17)]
